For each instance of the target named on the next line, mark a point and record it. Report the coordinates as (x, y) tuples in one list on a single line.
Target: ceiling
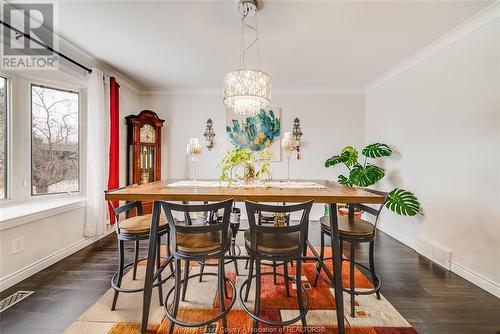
[(328, 45)]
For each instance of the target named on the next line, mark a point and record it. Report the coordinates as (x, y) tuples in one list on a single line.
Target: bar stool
[(275, 244), (234, 250), (199, 242), (208, 218), (271, 220), (354, 231), (136, 229)]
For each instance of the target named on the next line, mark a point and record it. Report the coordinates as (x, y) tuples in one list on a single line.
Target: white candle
[(288, 142), (194, 147)]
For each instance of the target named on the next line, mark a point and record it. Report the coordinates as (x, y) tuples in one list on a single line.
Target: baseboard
[(412, 243), (466, 273), (23, 273), (434, 252), (475, 278)]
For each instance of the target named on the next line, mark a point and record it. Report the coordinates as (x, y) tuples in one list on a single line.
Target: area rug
[(373, 316)]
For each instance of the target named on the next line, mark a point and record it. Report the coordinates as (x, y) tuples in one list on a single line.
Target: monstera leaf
[(348, 156), (351, 155), (377, 150), (365, 176), (403, 202), (335, 160), (344, 181)]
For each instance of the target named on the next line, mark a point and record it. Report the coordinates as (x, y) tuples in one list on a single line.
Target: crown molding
[(71, 50), (485, 16), (275, 90), (83, 57)]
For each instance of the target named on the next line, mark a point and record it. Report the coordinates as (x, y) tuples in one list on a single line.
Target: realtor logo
[(21, 20)]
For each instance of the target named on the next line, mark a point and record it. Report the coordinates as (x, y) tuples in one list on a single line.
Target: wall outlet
[(18, 245)]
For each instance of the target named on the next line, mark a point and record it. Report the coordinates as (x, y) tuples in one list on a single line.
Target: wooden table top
[(157, 191)]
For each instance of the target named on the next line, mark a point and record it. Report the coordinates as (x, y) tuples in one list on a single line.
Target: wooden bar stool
[(272, 219), (212, 217), (284, 243), (136, 229), (199, 242), (354, 230)]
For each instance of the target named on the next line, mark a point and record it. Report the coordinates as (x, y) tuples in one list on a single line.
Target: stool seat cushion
[(274, 243), (200, 242), (356, 228), (139, 224)]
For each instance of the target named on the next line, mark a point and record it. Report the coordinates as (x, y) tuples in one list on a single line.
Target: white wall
[(129, 104), (328, 121), (443, 117)]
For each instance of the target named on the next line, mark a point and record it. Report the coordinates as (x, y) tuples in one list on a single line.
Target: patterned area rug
[(373, 316)]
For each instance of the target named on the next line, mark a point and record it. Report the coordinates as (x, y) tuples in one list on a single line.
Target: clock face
[(147, 134)]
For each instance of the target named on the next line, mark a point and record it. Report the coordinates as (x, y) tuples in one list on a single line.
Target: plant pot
[(345, 212), (249, 173)]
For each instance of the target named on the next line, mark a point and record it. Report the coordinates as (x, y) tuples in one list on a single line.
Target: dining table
[(295, 191)]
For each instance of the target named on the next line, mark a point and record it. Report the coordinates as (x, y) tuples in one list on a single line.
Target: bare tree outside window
[(3, 138), (54, 140)]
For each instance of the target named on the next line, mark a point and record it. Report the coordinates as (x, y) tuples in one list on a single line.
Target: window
[(3, 138), (54, 140)]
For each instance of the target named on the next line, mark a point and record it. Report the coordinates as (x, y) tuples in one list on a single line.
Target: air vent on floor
[(13, 299)]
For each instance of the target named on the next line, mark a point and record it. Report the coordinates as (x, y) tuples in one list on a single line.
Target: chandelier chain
[(246, 91), (258, 42), (243, 48)]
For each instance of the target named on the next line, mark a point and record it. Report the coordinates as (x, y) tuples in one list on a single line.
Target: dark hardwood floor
[(432, 299)]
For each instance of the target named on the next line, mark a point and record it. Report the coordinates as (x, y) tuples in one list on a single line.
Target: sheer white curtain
[(97, 153)]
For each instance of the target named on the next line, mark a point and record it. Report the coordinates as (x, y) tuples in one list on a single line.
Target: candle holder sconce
[(209, 134), (297, 135)]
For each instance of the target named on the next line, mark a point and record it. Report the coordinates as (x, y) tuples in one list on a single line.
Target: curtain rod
[(28, 36)]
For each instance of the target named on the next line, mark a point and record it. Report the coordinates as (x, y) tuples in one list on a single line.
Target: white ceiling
[(330, 45)]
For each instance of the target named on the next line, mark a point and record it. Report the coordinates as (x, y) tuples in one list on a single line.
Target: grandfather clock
[(144, 147)]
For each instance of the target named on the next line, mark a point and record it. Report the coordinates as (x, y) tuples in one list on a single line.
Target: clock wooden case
[(144, 147)]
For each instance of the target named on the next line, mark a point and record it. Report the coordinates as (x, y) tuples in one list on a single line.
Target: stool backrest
[(257, 228), (125, 209), (210, 225), (373, 211)]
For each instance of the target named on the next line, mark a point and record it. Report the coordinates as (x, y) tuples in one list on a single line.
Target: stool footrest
[(271, 322), (201, 323)]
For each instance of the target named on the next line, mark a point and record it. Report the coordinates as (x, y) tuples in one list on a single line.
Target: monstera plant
[(365, 174)]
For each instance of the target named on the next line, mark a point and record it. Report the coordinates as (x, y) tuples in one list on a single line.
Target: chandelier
[(247, 91)]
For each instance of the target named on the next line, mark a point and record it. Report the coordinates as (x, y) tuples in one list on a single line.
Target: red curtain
[(114, 138)]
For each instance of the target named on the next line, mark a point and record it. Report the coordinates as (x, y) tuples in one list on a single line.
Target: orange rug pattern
[(373, 316)]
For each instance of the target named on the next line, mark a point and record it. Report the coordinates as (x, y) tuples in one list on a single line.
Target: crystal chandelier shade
[(247, 91)]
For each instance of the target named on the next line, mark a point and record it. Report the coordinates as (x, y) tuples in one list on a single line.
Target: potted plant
[(245, 165), (366, 174)]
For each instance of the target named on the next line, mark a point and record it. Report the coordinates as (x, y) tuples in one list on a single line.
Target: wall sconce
[(297, 135), (209, 134)]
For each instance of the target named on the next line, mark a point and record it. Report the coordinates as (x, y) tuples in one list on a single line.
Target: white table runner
[(238, 184)]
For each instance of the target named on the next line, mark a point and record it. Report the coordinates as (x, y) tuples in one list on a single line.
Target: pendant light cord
[(243, 50)]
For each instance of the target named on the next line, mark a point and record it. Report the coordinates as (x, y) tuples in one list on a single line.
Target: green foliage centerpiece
[(367, 174), (245, 165)]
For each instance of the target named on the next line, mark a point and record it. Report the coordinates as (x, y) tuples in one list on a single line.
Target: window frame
[(7, 148), (61, 88)]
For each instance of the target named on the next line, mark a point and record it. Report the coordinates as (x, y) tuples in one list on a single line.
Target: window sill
[(26, 212)]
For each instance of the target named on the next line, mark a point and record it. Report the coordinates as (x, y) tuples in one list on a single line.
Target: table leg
[(148, 281), (337, 266)]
